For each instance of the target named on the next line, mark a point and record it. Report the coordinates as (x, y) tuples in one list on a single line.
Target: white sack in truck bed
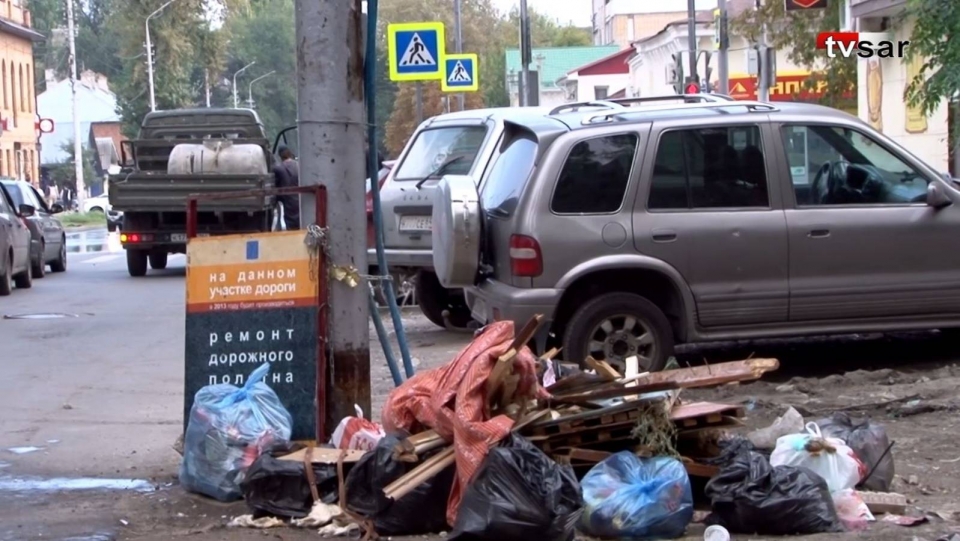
[(217, 157)]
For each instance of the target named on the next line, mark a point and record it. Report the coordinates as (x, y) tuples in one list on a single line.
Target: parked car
[(48, 238), (14, 244), (114, 220), (459, 143), (99, 203), (634, 230)]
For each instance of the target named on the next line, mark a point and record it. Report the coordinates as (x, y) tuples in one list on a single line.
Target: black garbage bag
[(280, 487), (420, 512), (869, 441), (750, 496), (519, 494)]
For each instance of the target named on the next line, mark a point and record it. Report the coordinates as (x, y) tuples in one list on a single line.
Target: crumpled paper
[(329, 518)]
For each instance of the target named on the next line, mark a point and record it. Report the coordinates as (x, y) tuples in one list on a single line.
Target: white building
[(621, 22), (605, 78), (96, 104)]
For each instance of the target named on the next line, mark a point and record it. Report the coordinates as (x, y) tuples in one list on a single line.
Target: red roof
[(608, 65)]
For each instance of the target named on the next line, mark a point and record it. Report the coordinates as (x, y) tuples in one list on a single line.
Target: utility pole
[(723, 63), (77, 143), (459, 25), (526, 52), (206, 86), (331, 124), (146, 25), (692, 37), (419, 100), (763, 62)]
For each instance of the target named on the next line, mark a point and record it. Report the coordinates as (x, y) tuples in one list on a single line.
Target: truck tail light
[(525, 257), (133, 238)]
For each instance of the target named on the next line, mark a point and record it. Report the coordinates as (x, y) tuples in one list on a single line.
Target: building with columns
[(19, 156)]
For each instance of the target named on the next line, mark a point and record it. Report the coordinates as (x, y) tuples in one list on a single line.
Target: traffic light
[(676, 73), (691, 88)]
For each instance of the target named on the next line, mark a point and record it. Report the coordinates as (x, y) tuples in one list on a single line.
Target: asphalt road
[(96, 397)]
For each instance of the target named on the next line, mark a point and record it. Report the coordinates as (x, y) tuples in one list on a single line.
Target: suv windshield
[(456, 147), (501, 191)]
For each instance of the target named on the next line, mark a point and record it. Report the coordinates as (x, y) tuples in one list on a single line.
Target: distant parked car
[(114, 220), (14, 244), (49, 241), (99, 203)]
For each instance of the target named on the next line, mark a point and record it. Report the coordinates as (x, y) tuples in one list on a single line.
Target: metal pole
[(723, 61), (419, 103), (763, 80), (525, 54), (146, 25), (250, 86), (236, 100), (459, 26), (331, 123), (77, 143), (692, 37), (206, 86)]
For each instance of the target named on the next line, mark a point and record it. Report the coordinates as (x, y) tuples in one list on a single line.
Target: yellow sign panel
[(244, 272)]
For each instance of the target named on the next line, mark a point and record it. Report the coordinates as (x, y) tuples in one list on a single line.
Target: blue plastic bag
[(626, 497), (228, 429)]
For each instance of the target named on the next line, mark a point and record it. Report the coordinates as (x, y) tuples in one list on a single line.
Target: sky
[(576, 11)]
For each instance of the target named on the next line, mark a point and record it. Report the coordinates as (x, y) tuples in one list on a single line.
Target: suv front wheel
[(616, 326)]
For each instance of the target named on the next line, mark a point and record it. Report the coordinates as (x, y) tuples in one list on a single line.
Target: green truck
[(191, 151)]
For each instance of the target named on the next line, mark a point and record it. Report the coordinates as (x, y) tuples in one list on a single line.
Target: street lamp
[(146, 24), (250, 87), (236, 102)]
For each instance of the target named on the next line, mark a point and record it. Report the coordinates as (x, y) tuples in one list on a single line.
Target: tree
[(63, 174), (935, 23), (796, 32), (403, 121)]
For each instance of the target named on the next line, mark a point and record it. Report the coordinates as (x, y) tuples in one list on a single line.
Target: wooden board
[(323, 455)]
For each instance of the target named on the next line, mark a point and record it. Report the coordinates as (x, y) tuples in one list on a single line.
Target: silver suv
[(634, 230), (460, 143)]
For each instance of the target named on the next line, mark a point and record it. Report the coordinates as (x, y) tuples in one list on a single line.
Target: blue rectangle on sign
[(253, 250), (417, 52)]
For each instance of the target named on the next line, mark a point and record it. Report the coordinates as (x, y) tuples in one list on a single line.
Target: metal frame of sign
[(475, 83), (395, 53)]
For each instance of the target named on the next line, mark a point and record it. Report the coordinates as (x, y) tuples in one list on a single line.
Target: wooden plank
[(695, 469), (323, 455), (588, 455), (428, 469), (698, 410), (884, 502), (504, 364)]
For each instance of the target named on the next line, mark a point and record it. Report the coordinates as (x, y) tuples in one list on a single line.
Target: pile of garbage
[(502, 445)]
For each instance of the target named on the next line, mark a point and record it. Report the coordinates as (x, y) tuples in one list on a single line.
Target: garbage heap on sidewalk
[(501, 445)]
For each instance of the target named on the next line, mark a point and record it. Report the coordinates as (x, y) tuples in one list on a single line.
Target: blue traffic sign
[(460, 73), (416, 51)]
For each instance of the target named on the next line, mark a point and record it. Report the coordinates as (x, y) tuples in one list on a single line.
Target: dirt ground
[(909, 383)]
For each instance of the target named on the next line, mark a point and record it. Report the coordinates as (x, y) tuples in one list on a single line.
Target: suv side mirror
[(56, 208), (936, 197), (27, 211)]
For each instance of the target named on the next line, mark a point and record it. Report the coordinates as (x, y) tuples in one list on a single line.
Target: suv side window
[(706, 168), (833, 165), (594, 179)]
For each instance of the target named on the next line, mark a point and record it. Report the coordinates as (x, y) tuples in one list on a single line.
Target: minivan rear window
[(442, 151), (502, 189)]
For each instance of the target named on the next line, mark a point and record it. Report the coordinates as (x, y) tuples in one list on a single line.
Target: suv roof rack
[(751, 106), (606, 104), (688, 98)]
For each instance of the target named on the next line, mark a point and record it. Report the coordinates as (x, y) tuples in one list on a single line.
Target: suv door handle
[(664, 235), (819, 233)]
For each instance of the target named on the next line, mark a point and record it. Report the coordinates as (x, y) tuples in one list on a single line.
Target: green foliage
[(935, 23), (796, 31), (63, 173)]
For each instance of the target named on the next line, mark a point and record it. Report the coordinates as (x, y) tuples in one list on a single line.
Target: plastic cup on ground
[(716, 533)]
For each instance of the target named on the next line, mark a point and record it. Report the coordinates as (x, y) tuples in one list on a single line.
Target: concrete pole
[(723, 64), (331, 125), (77, 142), (763, 80), (692, 38), (526, 51), (419, 100), (458, 23), (146, 25), (206, 86)]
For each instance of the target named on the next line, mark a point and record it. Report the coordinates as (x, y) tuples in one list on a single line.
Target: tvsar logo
[(848, 44)]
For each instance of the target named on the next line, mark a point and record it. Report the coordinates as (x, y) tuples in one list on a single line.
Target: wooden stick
[(427, 470), (504, 365), (311, 476)]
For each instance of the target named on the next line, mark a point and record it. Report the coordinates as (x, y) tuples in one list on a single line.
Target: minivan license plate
[(416, 223), (178, 237)]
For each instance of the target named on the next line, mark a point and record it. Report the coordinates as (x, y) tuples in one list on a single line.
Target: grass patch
[(80, 219)]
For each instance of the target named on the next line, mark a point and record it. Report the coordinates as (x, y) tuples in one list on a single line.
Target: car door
[(51, 227), (707, 208), (7, 219), (863, 242), (20, 237)]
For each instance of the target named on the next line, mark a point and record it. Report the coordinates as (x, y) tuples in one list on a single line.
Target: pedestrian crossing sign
[(416, 51), (460, 73)]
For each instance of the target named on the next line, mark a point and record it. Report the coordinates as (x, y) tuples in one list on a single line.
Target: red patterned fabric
[(451, 400)]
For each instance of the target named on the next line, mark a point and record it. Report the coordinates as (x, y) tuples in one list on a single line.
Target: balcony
[(862, 9)]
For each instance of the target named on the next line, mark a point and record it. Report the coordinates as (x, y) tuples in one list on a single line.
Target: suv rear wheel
[(434, 299), (615, 326)]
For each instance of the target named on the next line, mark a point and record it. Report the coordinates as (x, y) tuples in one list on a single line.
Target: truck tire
[(158, 260), (433, 299), (636, 327), (137, 263)]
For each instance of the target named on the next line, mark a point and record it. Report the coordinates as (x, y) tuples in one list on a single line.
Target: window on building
[(600, 92), (4, 69), (30, 90), (13, 93), (20, 82), (594, 179), (709, 168)]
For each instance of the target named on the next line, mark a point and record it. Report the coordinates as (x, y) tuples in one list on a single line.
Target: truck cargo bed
[(163, 192)]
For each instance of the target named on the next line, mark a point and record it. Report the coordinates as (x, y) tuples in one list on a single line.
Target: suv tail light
[(525, 257)]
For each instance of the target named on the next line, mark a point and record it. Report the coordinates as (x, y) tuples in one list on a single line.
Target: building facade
[(882, 83), (551, 65), (621, 22), (601, 79), (19, 156), (96, 104)]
